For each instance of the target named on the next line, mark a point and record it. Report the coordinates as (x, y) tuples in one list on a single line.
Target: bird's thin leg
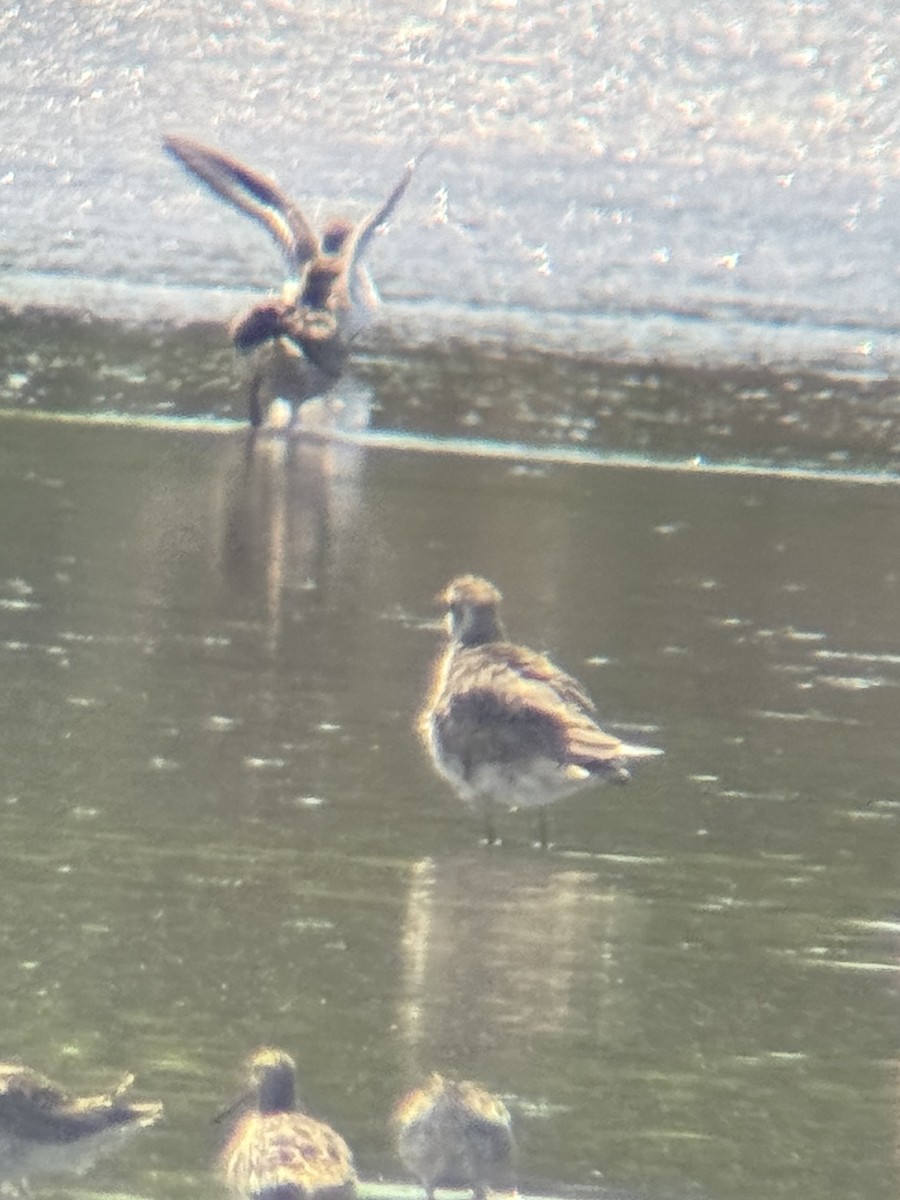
[(490, 827), (545, 829), (254, 404)]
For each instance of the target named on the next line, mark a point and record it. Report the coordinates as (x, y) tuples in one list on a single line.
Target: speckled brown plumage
[(45, 1130), (502, 723), (456, 1135), (307, 331), (277, 1152)]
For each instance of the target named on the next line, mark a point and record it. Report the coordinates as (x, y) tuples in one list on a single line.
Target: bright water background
[(706, 160)]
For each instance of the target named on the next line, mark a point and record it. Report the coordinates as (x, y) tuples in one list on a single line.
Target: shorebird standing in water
[(456, 1135), (44, 1130), (503, 724), (277, 1152), (329, 295)]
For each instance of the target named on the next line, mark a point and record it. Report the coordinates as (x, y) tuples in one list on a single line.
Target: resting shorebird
[(44, 1130), (503, 724), (455, 1135), (329, 294), (277, 1152)]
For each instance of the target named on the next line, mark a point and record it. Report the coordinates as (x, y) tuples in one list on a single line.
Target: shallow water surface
[(653, 240), (218, 828)]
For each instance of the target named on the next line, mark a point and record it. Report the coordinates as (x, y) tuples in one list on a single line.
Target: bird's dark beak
[(243, 1101)]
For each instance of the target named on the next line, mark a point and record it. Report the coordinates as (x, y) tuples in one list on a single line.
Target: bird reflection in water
[(456, 1135), (292, 508), (506, 946), (276, 1151), (44, 1130)]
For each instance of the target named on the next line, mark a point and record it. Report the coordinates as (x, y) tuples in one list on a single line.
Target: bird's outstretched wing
[(252, 193)]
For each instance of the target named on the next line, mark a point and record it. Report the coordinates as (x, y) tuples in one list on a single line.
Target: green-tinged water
[(217, 828), (638, 365)]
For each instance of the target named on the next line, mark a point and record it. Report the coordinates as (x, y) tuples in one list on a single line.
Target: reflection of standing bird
[(45, 1130), (455, 1135), (329, 294), (503, 724), (278, 1153)]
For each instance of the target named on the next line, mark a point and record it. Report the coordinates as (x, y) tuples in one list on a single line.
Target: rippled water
[(218, 828)]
